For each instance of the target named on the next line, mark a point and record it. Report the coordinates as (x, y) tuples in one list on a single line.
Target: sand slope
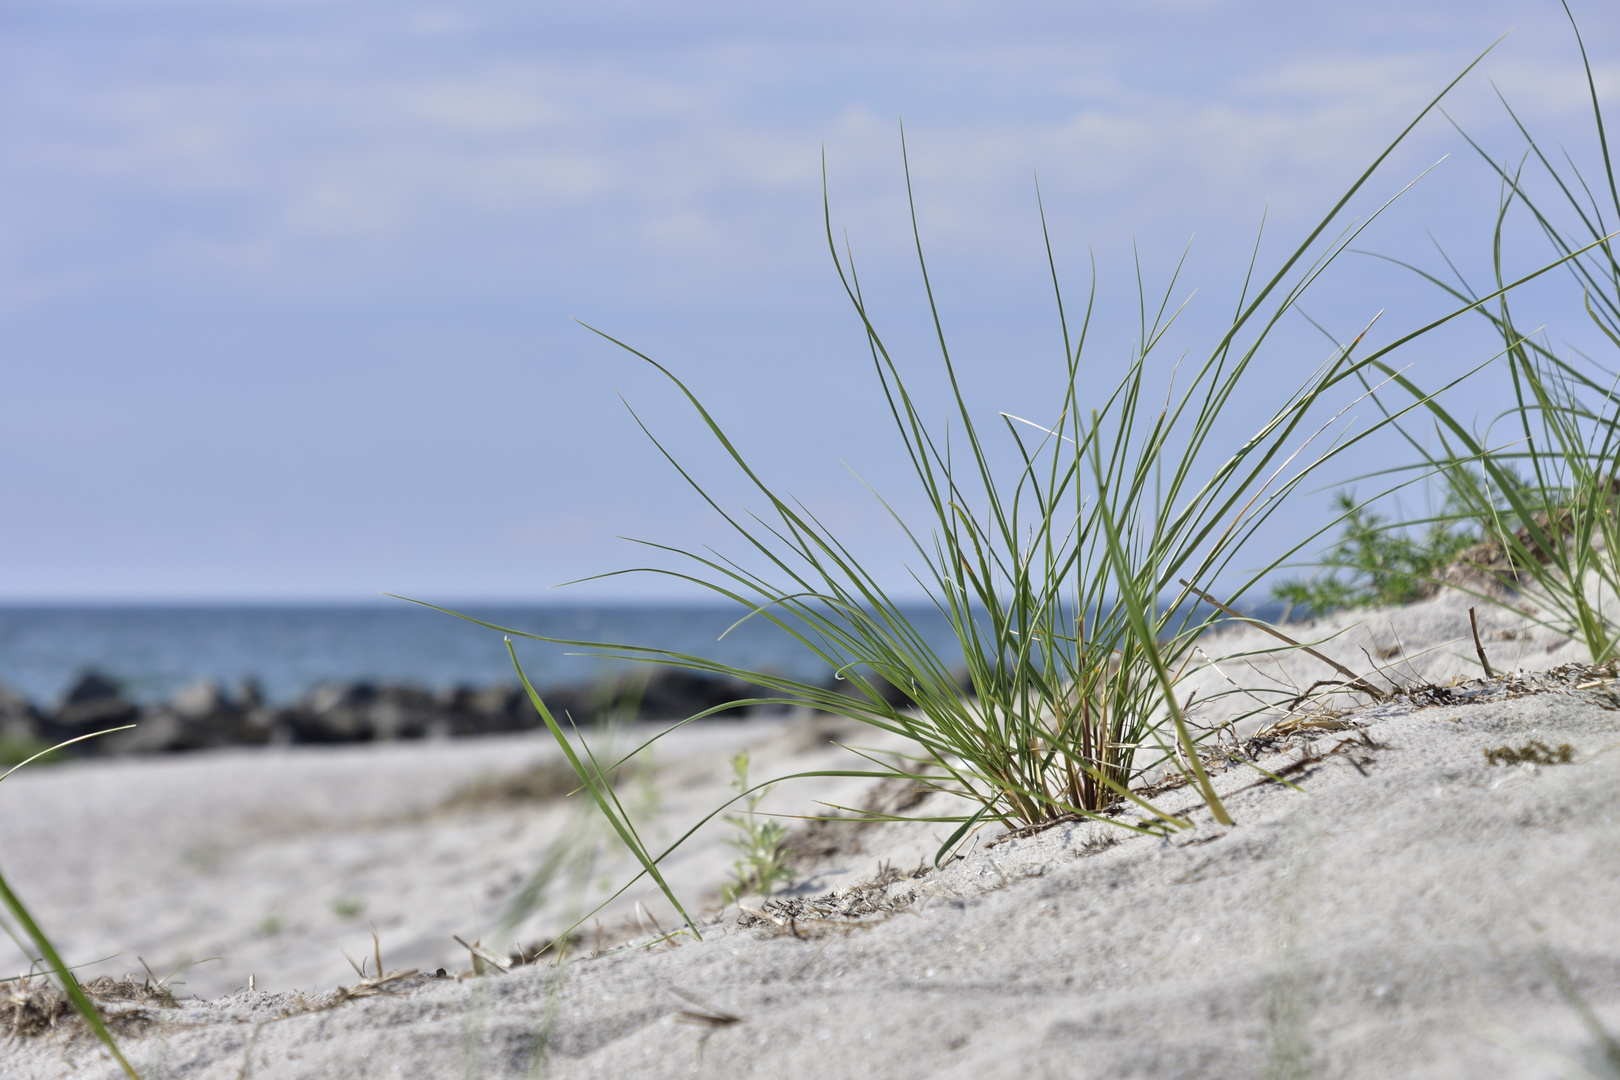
[(1415, 912)]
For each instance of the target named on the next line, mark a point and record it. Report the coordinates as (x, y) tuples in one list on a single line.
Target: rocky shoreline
[(207, 714)]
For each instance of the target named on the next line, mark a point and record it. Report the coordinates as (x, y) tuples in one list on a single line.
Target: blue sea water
[(154, 650)]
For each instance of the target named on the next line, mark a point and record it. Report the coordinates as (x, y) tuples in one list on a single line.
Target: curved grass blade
[(58, 746), (64, 975), (596, 783)]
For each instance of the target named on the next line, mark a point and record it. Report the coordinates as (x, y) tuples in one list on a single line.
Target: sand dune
[(1415, 910)]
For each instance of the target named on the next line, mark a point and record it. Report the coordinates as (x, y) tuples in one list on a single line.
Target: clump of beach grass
[(1068, 579), (1545, 486)]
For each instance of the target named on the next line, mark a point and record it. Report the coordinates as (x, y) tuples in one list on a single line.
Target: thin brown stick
[(1356, 681), (1486, 664), (1317, 685)]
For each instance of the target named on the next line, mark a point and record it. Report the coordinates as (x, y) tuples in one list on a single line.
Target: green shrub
[(1382, 563)]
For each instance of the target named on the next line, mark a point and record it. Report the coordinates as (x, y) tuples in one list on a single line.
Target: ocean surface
[(154, 650)]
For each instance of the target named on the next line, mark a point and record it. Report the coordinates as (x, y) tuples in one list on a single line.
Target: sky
[(292, 292)]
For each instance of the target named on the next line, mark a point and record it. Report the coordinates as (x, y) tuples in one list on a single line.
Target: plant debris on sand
[(1534, 752), (35, 1006)]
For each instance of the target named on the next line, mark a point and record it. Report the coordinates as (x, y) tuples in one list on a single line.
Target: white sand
[(1409, 914)]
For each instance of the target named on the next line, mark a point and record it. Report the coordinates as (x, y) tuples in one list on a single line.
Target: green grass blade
[(64, 975), (60, 745), (595, 782)]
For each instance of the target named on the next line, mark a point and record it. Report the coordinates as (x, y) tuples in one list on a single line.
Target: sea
[(154, 650)]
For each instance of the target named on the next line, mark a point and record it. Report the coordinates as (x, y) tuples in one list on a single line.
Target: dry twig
[(1356, 682)]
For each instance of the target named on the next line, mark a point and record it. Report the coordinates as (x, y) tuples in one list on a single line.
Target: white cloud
[(287, 139)]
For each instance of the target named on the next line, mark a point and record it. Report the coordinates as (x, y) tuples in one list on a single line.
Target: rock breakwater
[(208, 714)]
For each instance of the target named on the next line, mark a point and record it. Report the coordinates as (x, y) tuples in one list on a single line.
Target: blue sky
[(287, 289)]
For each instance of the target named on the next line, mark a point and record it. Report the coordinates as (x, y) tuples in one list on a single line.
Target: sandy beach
[(415, 416), (1417, 908)]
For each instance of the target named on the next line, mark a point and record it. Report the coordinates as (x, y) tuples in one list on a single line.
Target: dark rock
[(199, 716), (92, 686), (156, 731), (250, 694), (672, 694), (94, 703), (499, 700), (666, 694), (331, 713), (467, 710), (204, 714), (211, 717), (200, 701), (402, 712), (362, 712), (502, 708)]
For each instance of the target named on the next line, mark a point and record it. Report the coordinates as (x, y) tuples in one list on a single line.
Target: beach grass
[(568, 869), (1068, 578), (1543, 480)]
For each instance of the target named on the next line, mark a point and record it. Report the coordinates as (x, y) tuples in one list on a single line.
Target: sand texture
[(1414, 911)]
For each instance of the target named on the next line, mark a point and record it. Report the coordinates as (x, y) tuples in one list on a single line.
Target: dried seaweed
[(1534, 752)]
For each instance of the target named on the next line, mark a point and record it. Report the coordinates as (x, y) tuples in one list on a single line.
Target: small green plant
[(759, 841), (1383, 564), (346, 907)]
